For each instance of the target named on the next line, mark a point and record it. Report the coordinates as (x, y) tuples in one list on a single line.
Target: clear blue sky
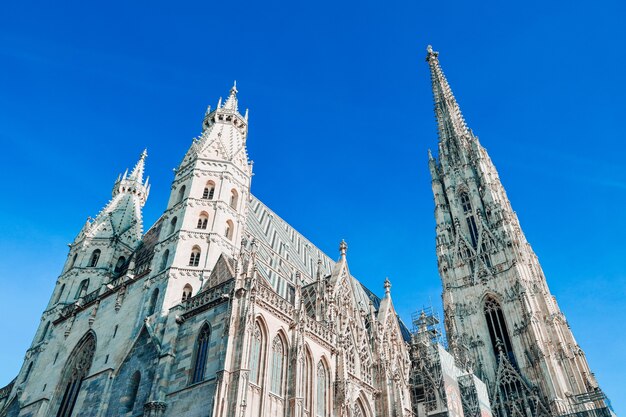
[(340, 122)]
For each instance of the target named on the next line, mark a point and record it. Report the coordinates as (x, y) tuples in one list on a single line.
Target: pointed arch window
[(194, 258), (202, 350), (234, 198), (133, 389), (153, 301), (321, 409), (469, 218), (164, 259), (209, 191), (256, 351), (76, 369), (498, 332), (307, 382), (203, 220), (95, 256), (187, 291), (278, 366)]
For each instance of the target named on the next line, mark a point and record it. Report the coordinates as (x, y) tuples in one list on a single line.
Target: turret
[(208, 203)]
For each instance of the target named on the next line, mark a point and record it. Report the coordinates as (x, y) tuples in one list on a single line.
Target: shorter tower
[(496, 299)]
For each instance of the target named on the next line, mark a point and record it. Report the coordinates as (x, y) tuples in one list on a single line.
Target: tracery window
[(209, 191), (73, 260), (203, 220), (498, 332), (187, 290), (194, 258), (202, 350), (358, 409), (469, 218), (465, 203), (173, 225), (76, 369), (322, 390), (95, 256), (256, 350), (278, 366)]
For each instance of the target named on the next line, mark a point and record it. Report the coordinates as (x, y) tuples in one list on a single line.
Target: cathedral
[(223, 309)]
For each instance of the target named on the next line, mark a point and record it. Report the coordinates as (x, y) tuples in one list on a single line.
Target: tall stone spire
[(454, 136), (495, 295)]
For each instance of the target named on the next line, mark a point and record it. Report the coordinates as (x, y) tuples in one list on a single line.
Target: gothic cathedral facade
[(223, 309)]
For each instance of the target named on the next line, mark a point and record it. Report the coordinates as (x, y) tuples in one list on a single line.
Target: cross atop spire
[(452, 127)]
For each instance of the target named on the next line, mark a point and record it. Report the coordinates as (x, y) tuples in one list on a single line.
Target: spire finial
[(231, 101), (387, 286), (343, 248)]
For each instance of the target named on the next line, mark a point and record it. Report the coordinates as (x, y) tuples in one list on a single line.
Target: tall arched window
[(76, 369), (203, 220), (209, 190), (82, 288), (234, 197), (194, 258), (469, 218), (307, 382), (181, 193), (202, 350), (498, 332), (256, 355), (59, 294), (153, 301), (119, 265), (278, 366), (131, 394), (93, 261), (228, 232), (187, 290), (164, 259), (321, 410), (173, 225)]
